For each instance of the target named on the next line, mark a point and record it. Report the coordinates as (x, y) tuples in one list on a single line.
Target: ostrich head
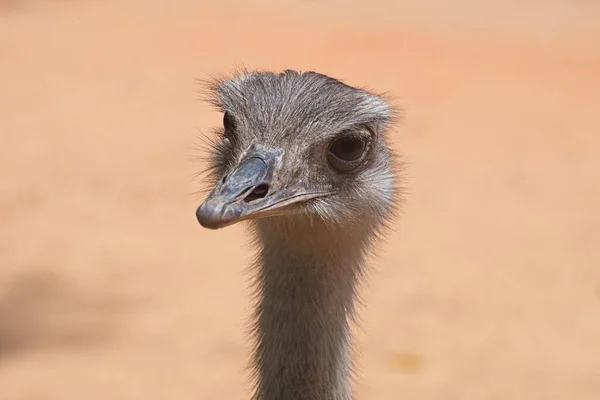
[(299, 147)]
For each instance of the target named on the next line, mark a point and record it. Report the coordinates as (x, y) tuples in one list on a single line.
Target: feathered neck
[(306, 287)]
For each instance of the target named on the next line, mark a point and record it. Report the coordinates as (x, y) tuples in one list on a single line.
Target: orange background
[(489, 288)]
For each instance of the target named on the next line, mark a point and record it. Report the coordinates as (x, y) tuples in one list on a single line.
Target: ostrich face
[(298, 143)]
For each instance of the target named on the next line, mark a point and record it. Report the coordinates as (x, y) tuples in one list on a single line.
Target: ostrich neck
[(307, 285)]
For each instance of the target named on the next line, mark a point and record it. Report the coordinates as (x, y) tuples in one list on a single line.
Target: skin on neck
[(306, 290)]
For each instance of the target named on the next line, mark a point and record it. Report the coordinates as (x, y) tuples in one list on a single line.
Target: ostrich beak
[(249, 192), (235, 193)]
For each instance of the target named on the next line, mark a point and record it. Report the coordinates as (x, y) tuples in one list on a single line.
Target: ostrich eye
[(228, 123), (346, 153)]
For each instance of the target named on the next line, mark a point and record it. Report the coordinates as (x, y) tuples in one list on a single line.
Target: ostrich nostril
[(259, 192)]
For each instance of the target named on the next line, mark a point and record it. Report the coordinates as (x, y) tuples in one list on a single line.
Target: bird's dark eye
[(346, 153), (228, 123)]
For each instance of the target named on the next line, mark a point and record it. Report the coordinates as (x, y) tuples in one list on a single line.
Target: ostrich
[(304, 159)]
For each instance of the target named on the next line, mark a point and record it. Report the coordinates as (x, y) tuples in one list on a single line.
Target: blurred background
[(489, 287)]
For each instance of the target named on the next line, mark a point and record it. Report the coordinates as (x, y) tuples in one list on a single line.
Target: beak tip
[(207, 216), (213, 215)]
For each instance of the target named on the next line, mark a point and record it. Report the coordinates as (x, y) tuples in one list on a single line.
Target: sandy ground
[(488, 289)]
